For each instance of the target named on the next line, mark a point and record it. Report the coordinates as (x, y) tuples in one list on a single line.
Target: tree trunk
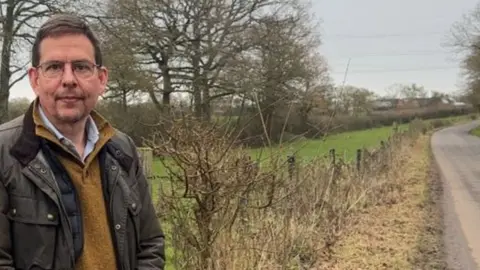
[(167, 89), (197, 82), (206, 100), (124, 100), (151, 93), (197, 93), (5, 61)]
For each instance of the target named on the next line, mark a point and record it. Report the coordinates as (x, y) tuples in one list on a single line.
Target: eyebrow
[(73, 61)]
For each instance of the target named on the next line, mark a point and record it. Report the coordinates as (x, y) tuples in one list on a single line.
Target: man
[(72, 192)]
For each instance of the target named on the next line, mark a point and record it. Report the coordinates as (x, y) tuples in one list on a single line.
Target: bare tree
[(408, 91), (127, 80), (18, 20), (355, 100), (464, 34), (189, 46), (465, 40), (314, 97), (283, 65), (18, 106)]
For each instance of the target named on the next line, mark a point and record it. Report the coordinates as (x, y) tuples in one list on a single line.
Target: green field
[(345, 145), (475, 131)]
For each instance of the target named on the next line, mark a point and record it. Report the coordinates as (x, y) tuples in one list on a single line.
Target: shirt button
[(118, 226), (134, 206), (50, 217), (14, 211)]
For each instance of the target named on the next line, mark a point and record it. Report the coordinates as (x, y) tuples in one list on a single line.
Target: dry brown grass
[(431, 250), (393, 235)]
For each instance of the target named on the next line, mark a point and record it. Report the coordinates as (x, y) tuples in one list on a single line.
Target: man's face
[(67, 82)]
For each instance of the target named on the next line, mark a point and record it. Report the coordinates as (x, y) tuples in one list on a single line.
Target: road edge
[(431, 245), (458, 255)]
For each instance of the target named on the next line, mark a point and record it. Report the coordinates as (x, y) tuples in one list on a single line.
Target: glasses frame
[(41, 68)]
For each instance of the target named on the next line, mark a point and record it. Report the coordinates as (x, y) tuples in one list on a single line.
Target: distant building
[(385, 104)]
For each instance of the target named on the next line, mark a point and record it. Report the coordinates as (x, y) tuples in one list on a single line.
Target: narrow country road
[(458, 158)]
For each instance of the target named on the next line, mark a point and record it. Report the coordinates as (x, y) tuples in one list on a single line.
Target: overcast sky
[(388, 42), (392, 41)]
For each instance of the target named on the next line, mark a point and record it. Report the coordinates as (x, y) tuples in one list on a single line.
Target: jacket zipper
[(112, 229)]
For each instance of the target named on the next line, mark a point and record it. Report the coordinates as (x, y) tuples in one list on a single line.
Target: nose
[(68, 79)]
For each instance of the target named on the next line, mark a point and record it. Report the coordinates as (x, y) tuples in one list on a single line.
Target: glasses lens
[(53, 69), (83, 69)]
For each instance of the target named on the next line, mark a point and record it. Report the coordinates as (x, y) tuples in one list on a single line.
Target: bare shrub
[(209, 184)]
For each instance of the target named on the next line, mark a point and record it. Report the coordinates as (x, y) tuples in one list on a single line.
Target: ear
[(33, 78), (103, 77)]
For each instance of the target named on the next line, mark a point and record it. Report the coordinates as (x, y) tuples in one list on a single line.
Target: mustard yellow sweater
[(98, 250)]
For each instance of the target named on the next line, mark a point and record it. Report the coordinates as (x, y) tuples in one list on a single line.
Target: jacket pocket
[(34, 226)]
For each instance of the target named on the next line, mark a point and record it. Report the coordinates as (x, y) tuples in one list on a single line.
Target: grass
[(431, 250), (345, 145), (475, 131), (399, 235)]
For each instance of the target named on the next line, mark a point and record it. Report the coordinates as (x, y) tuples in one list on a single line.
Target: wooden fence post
[(291, 165), (332, 156), (359, 159), (146, 160), (365, 158)]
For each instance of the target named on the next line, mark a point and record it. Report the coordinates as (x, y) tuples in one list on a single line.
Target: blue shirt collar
[(92, 132)]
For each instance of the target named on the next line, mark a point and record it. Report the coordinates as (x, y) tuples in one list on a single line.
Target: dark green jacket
[(34, 231)]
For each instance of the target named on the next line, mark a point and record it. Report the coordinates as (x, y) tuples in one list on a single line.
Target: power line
[(417, 53), (398, 70), (403, 54), (380, 36)]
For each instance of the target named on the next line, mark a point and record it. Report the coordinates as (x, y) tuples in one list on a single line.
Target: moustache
[(69, 95)]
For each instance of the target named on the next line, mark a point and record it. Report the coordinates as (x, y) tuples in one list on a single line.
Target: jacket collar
[(26, 147), (28, 144)]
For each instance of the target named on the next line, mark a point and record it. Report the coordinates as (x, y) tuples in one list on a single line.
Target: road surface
[(458, 158)]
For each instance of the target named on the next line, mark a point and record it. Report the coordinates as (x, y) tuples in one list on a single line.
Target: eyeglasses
[(82, 69)]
